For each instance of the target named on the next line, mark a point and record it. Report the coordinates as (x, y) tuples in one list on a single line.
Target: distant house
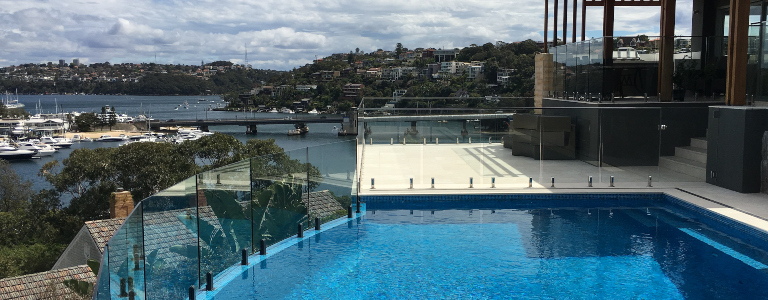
[(352, 91)]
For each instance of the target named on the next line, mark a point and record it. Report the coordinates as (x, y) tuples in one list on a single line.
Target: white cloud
[(278, 34)]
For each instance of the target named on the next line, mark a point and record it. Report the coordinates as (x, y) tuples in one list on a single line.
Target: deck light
[(470, 140), (649, 181), (349, 212), (530, 182), (218, 178), (612, 181), (209, 281), (191, 292), (553, 182), (433, 182), (317, 223), (470, 182), (391, 141), (371, 141), (493, 182), (372, 186), (437, 142), (411, 184), (300, 234), (263, 247), (457, 140), (590, 181), (425, 141), (244, 257)]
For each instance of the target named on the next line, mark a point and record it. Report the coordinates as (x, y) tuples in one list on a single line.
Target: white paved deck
[(451, 165)]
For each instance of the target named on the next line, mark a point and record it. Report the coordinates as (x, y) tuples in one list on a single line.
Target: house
[(306, 88), (352, 91), (503, 74), (329, 75), (45, 285), (445, 55)]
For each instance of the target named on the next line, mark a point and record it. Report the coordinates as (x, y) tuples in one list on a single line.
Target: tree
[(357, 50), (86, 121), (112, 118), (399, 49), (14, 193)]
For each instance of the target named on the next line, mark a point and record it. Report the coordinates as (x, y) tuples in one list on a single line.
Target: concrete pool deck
[(452, 165)]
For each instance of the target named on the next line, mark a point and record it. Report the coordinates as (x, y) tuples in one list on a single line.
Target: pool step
[(690, 160), (700, 143)]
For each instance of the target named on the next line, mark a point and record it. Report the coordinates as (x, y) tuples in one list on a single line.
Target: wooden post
[(608, 80), (583, 20), (565, 21), (554, 27), (608, 12), (573, 39), (546, 24), (736, 76), (666, 50)]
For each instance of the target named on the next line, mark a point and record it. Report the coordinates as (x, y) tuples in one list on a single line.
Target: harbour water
[(163, 108)]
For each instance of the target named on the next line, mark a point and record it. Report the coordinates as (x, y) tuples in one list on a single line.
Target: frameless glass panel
[(126, 272), (683, 145), (171, 260), (596, 72), (629, 143), (223, 203), (102, 286), (330, 192), (568, 139), (278, 183)]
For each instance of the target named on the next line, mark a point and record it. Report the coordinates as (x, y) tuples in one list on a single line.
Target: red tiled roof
[(44, 285)]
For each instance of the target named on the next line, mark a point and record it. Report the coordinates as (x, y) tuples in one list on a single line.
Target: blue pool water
[(640, 249)]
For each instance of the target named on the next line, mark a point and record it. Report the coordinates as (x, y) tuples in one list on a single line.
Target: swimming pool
[(519, 247)]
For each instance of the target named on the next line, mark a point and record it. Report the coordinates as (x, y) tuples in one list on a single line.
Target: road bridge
[(250, 124)]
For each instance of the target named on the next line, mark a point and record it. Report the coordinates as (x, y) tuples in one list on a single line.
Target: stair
[(690, 160)]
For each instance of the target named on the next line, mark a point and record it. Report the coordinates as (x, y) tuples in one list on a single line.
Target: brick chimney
[(120, 204)]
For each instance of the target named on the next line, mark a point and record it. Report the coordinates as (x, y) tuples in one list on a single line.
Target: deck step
[(700, 143), (692, 153), (686, 166)]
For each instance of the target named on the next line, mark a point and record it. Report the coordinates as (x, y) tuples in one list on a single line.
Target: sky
[(278, 34)]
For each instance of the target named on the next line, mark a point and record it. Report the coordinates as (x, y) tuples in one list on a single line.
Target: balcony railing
[(583, 72)]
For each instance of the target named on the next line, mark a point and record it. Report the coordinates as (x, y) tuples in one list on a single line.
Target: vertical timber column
[(554, 26), (546, 24), (544, 68), (583, 20), (608, 80), (736, 77), (666, 53), (575, 4), (565, 21)]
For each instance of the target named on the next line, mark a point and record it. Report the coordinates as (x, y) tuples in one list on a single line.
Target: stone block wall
[(544, 72), (120, 204)]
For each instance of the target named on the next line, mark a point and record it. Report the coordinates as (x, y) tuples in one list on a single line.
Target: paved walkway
[(392, 166)]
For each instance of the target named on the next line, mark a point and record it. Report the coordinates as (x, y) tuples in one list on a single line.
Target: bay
[(167, 107)]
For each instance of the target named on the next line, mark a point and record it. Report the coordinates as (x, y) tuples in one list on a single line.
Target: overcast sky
[(278, 34)]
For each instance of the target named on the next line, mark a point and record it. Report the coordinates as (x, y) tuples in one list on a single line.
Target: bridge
[(250, 124)]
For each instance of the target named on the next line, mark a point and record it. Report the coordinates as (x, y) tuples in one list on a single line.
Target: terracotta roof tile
[(45, 285)]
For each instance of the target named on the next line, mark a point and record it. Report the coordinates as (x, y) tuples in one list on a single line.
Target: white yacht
[(109, 138), (56, 142), (286, 111), (41, 149), (313, 111), (9, 152), (274, 110)]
